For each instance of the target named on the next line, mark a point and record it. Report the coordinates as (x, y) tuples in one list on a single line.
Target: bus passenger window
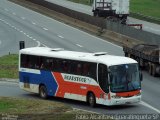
[(92, 70), (64, 66), (85, 69), (73, 68), (79, 69), (23, 60)]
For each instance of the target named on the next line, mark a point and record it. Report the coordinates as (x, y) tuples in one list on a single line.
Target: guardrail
[(147, 37)]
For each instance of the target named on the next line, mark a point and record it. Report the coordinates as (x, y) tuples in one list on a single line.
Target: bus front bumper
[(122, 101)]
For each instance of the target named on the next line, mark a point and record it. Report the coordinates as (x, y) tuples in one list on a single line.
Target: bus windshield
[(124, 78)]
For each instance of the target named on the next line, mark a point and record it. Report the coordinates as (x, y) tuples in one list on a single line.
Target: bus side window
[(73, 67), (79, 68), (55, 65), (85, 69), (92, 70), (103, 77), (23, 60), (64, 66)]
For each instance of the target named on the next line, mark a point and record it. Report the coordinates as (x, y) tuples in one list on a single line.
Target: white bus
[(97, 78)]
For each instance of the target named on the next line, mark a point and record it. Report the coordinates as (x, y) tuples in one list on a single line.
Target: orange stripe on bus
[(126, 94), (73, 87)]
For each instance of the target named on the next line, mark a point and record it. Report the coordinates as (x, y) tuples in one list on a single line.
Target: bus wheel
[(43, 92), (91, 100)]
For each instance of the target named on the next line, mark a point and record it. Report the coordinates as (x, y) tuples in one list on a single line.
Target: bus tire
[(43, 92), (91, 100)]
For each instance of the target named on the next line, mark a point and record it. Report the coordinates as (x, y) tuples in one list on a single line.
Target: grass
[(145, 7), (9, 66), (35, 109)]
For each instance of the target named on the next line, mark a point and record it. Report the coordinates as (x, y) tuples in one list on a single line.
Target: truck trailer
[(148, 56), (111, 8)]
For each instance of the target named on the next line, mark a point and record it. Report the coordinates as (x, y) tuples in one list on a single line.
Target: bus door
[(103, 77)]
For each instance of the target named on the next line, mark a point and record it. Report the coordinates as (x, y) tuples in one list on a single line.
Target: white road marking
[(22, 32), (60, 36), (2, 20), (44, 45), (12, 26), (6, 23), (15, 28), (6, 9), (38, 43), (45, 29), (23, 18), (28, 36), (149, 106), (79, 45), (33, 23), (14, 13), (18, 29)]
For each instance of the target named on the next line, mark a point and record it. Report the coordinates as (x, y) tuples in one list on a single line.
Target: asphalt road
[(18, 23), (147, 26)]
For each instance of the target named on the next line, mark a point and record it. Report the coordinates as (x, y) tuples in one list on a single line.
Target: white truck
[(111, 8)]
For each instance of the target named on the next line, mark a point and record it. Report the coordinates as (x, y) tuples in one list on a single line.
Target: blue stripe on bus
[(45, 78)]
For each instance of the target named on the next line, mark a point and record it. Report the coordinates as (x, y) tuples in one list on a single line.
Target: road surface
[(18, 23), (147, 26)]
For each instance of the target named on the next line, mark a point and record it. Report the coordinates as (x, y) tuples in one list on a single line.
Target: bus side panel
[(50, 82), (78, 90), (32, 81), (58, 86)]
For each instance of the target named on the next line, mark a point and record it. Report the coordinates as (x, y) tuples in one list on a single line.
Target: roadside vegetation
[(35, 109), (9, 66), (144, 7)]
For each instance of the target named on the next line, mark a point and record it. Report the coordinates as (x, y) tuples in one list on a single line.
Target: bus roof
[(103, 58)]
